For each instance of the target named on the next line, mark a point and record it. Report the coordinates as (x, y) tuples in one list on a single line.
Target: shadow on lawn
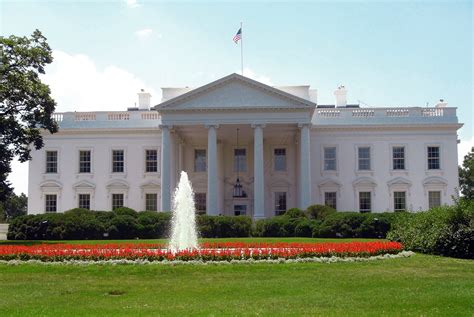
[(28, 242)]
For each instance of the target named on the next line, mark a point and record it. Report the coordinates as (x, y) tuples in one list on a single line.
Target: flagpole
[(242, 48)]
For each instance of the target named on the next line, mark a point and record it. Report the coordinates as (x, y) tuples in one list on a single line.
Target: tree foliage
[(13, 207), (466, 176), (26, 106)]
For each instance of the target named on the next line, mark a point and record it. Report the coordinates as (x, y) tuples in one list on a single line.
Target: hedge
[(122, 223), (447, 230)]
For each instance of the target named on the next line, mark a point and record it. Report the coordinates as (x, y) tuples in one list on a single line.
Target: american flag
[(238, 36)]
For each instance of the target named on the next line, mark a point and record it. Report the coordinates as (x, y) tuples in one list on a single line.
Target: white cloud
[(132, 3), (144, 33), (463, 148), (77, 85), (251, 74)]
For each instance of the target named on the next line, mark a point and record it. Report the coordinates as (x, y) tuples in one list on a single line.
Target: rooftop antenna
[(364, 103)]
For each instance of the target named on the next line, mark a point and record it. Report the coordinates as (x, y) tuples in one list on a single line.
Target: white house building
[(248, 149)]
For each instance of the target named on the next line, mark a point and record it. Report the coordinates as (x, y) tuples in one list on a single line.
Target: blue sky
[(385, 53)]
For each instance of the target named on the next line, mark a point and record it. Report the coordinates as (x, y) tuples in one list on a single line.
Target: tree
[(466, 175), (26, 106), (13, 206)]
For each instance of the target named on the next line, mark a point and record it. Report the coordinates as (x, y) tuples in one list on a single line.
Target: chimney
[(144, 100), (341, 96), (441, 104)]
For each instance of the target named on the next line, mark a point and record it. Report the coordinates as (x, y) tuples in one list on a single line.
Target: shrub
[(354, 225), (152, 224), (295, 213), (224, 226), (125, 211), (283, 226), (319, 211), (447, 230)]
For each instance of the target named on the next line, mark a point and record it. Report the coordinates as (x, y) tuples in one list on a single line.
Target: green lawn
[(420, 285)]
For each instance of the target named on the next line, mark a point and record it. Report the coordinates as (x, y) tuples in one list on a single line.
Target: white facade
[(291, 152)]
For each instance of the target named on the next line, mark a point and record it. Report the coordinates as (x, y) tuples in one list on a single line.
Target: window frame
[(335, 198), (147, 200), (198, 202), (281, 211), (240, 212), (440, 203), (79, 200), (146, 161), (274, 156), (56, 203), (234, 159), (427, 157), (112, 200), (365, 210), (358, 158), (405, 197), (46, 161), (392, 158), (123, 162), (79, 160), (327, 146), (195, 150)]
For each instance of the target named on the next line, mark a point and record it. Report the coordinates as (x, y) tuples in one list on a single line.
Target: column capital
[(258, 125), (208, 126), (165, 126), (304, 125)]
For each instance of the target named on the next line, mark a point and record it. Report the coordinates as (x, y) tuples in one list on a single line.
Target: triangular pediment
[(235, 92)]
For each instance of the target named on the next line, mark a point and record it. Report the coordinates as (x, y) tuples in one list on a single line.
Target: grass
[(420, 285)]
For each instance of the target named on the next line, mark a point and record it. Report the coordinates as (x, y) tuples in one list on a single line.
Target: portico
[(204, 122)]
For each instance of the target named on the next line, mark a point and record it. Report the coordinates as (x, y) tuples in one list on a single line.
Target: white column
[(258, 173), (212, 170), (165, 169), (305, 166)]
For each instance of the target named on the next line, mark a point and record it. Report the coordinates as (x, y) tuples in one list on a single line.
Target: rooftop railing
[(368, 113), (106, 116)]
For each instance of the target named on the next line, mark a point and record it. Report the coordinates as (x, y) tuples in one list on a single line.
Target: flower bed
[(225, 251)]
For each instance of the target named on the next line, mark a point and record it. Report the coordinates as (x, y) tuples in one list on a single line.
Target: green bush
[(224, 226), (295, 213), (319, 211), (354, 225), (447, 230)]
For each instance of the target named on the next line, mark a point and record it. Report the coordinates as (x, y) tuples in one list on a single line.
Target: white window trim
[(403, 171), (86, 192), (274, 199), (158, 157), (434, 171), (233, 159), (77, 160), (58, 200), (116, 191), (125, 160), (371, 153), (58, 170), (372, 196), (407, 198), (329, 172), (158, 200), (194, 158), (273, 158), (441, 200), (330, 191)]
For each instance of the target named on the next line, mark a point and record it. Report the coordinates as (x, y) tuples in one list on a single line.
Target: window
[(50, 203), (433, 158), (85, 201), (200, 202), (118, 161), (330, 199), (365, 201), (363, 158), (280, 203), (84, 161), (398, 155), (434, 199), (240, 160), (151, 202), (200, 160), (280, 159), (151, 161), (399, 201), (51, 161), (240, 210), (329, 158), (117, 201)]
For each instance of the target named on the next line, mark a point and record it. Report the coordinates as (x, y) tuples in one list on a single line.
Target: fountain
[(183, 226)]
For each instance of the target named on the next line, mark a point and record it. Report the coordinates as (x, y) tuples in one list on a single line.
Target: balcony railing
[(106, 116), (368, 114)]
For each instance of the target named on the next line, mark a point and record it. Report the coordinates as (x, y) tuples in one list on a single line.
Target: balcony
[(384, 116)]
